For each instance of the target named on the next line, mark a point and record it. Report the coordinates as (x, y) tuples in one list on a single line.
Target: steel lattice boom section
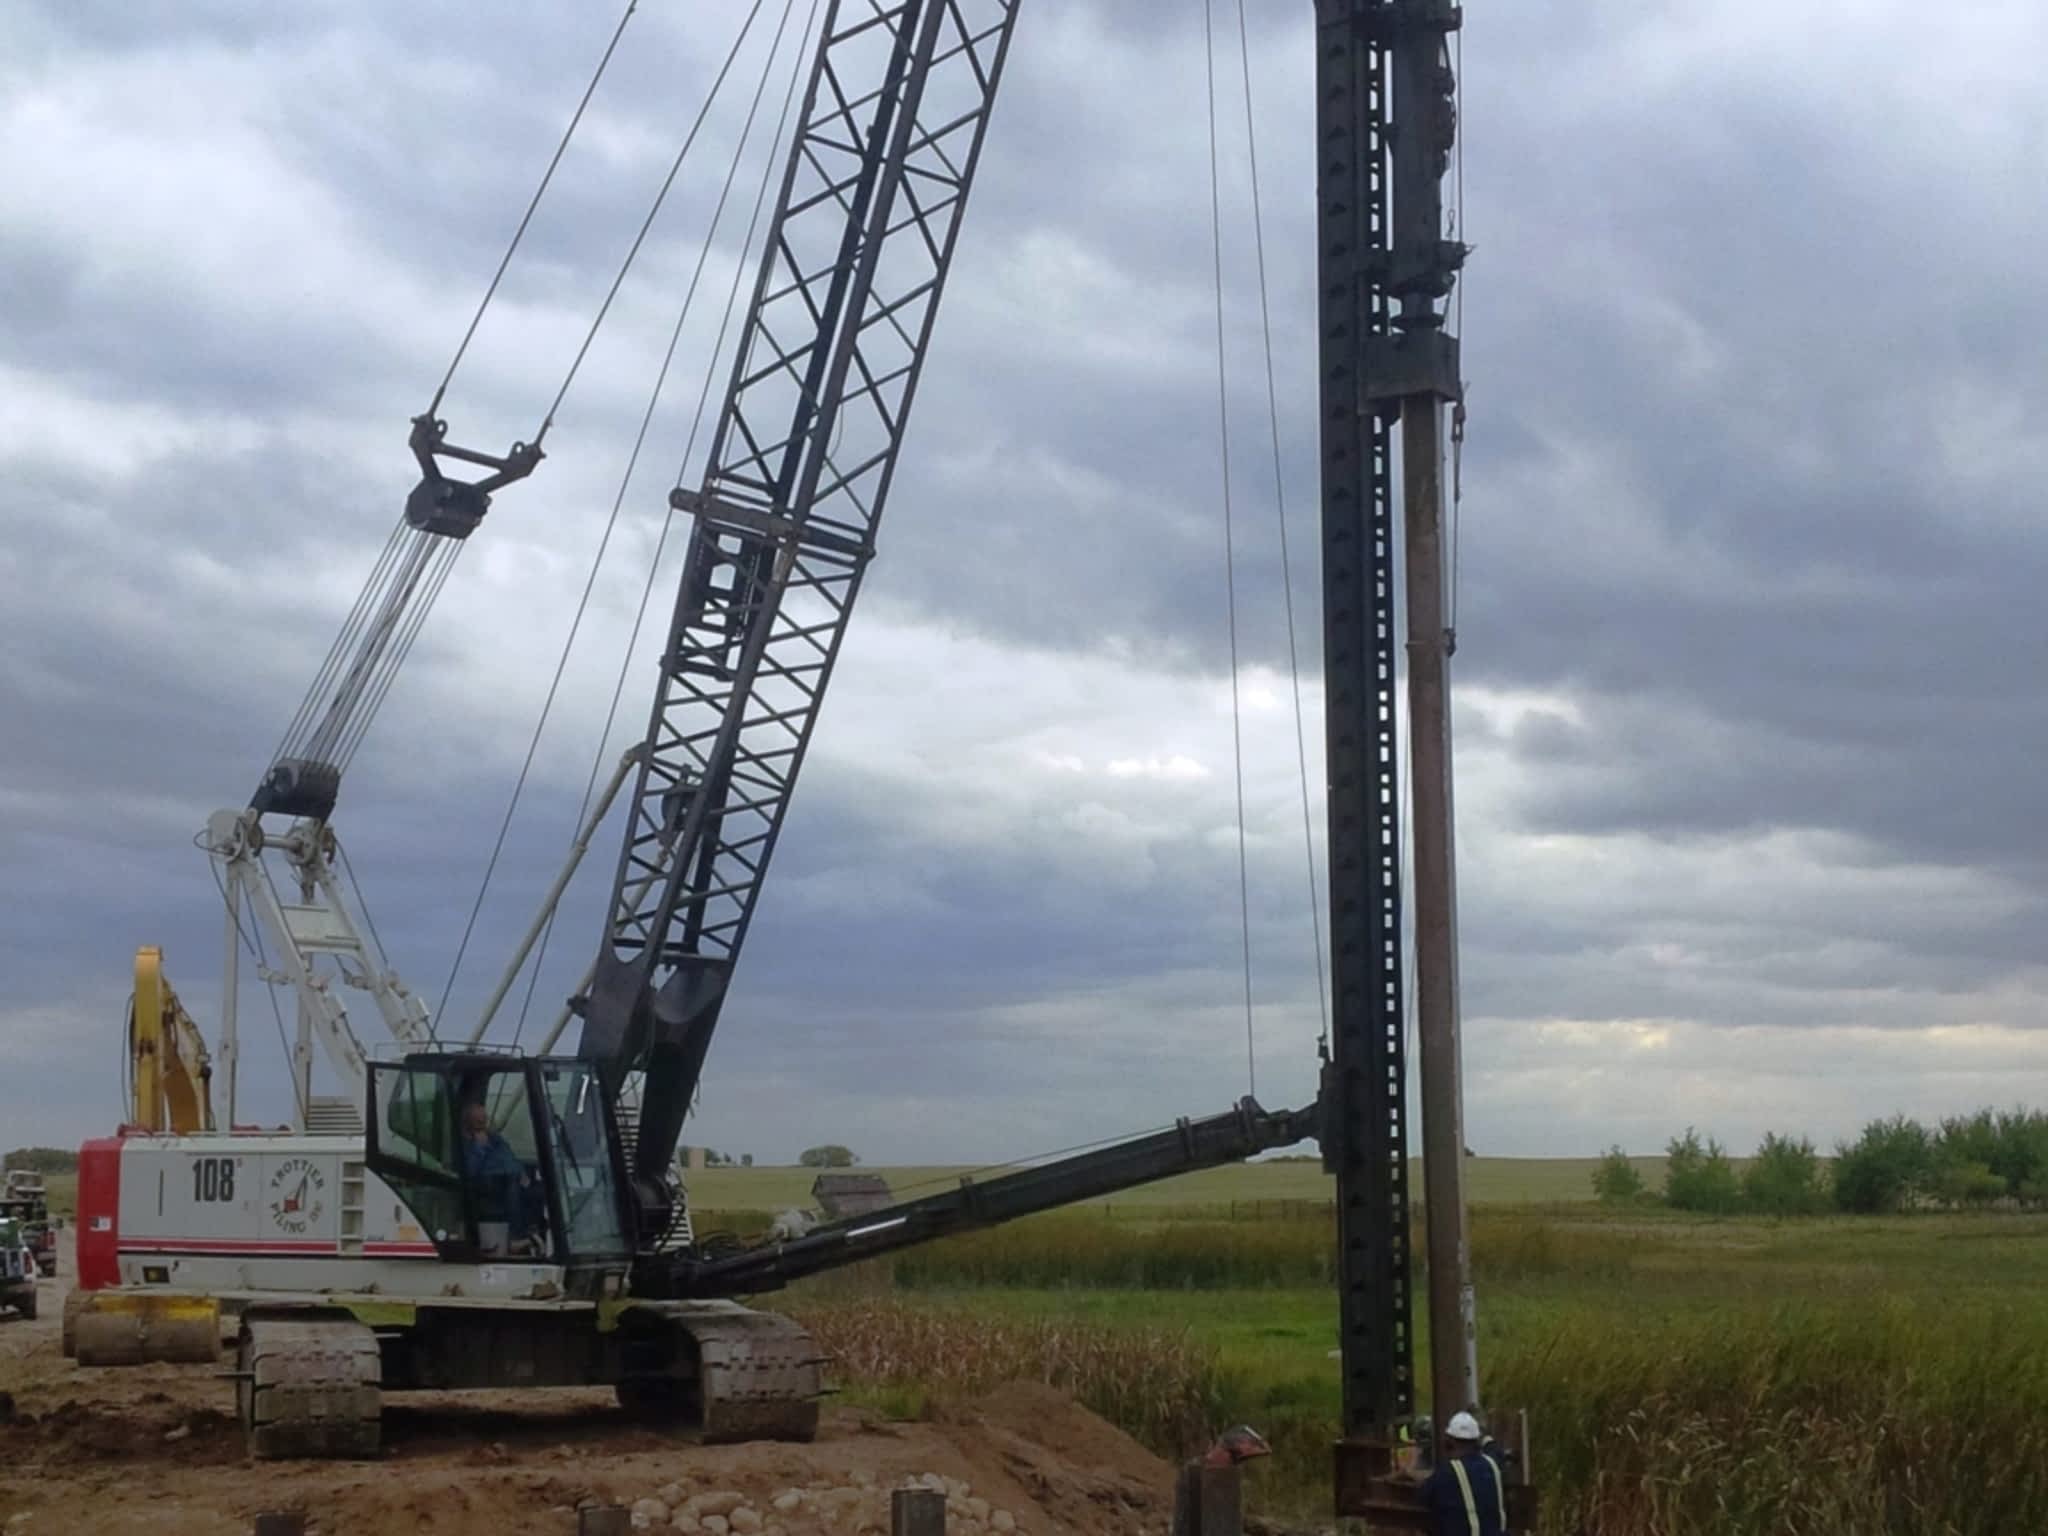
[(892, 126)]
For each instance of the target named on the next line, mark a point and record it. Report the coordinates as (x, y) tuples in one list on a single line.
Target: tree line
[(41, 1160), (1992, 1157)]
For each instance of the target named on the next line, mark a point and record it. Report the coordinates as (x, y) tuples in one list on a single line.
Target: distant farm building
[(840, 1195)]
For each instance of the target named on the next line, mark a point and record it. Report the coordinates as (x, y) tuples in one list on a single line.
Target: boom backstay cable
[(633, 458), (646, 224), (380, 630), (1308, 841), (711, 371), (1244, 901), (527, 218)]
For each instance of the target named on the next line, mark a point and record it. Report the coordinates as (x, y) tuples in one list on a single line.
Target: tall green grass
[(1683, 1378), (1294, 1248), (1085, 1251), (1906, 1415)]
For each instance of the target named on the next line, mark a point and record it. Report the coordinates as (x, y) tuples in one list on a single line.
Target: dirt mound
[(999, 1480), (1023, 1462), (1049, 1418), (154, 1451), (79, 1434)]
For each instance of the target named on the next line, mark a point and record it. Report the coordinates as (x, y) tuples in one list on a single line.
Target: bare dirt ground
[(155, 1450)]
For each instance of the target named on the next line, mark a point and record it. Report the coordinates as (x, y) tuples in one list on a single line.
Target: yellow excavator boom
[(172, 1072)]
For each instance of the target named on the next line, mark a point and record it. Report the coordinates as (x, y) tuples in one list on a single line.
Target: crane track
[(758, 1374), (309, 1386)]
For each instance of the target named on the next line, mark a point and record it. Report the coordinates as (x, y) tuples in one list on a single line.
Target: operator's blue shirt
[(1465, 1497), (494, 1171)]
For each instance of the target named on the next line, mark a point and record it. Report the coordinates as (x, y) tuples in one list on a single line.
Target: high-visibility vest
[(1500, 1493)]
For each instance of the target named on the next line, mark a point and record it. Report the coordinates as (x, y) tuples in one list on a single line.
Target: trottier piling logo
[(298, 1192)]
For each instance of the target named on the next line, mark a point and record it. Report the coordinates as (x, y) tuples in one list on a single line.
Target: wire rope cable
[(435, 577), (661, 196), (619, 498), (379, 631), (378, 634), (711, 371), (1308, 841), (519, 234), (344, 642), (1229, 545)]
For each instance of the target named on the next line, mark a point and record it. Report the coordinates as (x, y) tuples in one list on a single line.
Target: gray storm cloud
[(1750, 645)]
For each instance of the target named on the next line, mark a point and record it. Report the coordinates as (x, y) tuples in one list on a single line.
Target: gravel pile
[(821, 1509)]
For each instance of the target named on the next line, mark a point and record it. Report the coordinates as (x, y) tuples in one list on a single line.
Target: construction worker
[(1466, 1494), (497, 1183), (1239, 1444)]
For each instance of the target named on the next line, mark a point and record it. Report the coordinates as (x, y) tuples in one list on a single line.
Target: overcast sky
[(1750, 639)]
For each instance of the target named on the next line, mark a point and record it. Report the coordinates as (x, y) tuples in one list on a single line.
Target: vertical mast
[(1385, 124), (1365, 1141)]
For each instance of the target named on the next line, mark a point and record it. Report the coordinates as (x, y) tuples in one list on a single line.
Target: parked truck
[(25, 1201), (18, 1268)]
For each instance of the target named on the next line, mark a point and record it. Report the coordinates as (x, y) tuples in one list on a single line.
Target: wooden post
[(604, 1520), (280, 1523), (917, 1512), (1222, 1502), (1208, 1501)]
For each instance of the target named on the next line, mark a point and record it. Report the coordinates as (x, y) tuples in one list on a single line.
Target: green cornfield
[(1683, 1377)]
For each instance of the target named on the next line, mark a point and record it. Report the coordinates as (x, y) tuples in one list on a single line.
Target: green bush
[(1988, 1156), (1617, 1181), (1968, 1184), (1889, 1167), (1785, 1178), (1700, 1178), (1967, 1139), (2021, 1157)]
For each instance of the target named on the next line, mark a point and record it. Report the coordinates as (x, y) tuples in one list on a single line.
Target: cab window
[(580, 1128), (413, 1150)]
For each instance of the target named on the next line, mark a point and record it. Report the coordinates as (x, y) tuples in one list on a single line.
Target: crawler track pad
[(309, 1387), (756, 1375)]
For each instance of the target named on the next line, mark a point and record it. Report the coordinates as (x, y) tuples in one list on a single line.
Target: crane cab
[(503, 1158)]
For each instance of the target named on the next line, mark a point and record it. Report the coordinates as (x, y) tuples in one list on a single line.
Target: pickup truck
[(17, 1269), (25, 1200)]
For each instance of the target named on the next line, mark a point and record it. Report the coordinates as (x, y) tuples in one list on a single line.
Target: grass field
[(1685, 1377), (1489, 1181)]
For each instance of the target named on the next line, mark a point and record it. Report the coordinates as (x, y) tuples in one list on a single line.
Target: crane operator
[(497, 1183), (1466, 1494)]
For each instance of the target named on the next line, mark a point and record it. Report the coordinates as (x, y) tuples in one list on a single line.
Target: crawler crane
[(358, 1253)]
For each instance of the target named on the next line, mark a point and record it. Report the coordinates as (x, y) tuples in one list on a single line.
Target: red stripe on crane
[(228, 1245)]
